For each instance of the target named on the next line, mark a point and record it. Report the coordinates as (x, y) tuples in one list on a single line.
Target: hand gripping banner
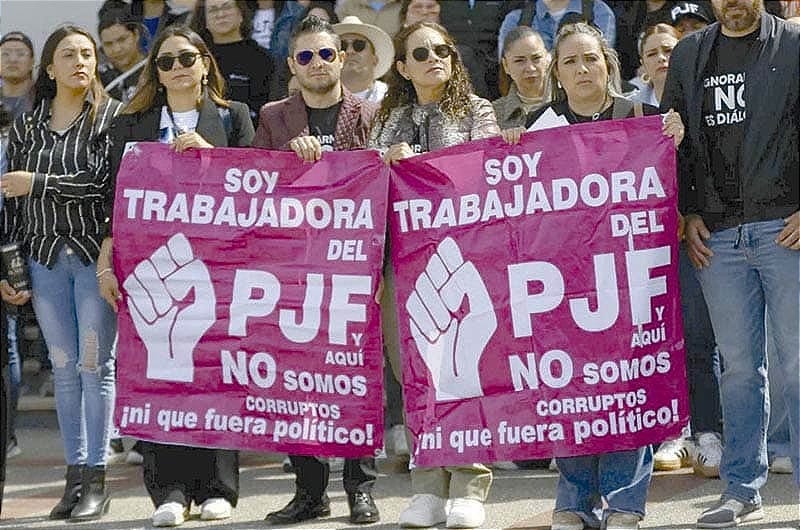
[(537, 294), (249, 317)]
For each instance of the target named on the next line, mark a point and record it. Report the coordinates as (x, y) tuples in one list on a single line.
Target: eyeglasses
[(358, 45), (166, 62), (442, 51), (304, 57)]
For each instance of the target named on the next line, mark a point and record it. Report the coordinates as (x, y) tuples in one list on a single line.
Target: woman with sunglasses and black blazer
[(430, 105), (179, 101)]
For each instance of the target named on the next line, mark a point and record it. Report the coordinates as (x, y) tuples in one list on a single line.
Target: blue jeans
[(702, 357), (749, 279), (14, 375), (79, 328), (778, 430), (621, 477)]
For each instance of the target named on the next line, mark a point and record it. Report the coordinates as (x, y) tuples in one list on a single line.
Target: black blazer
[(144, 127)]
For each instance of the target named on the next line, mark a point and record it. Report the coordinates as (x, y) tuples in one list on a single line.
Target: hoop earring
[(645, 77)]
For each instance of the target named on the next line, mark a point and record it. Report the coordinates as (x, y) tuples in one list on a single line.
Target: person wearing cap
[(322, 116), (368, 56), (688, 17), (16, 51)]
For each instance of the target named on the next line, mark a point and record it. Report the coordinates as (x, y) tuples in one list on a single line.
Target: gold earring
[(205, 79), (645, 77)]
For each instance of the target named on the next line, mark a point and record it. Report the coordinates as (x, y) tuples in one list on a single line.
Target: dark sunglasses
[(359, 45), (304, 57), (442, 51), (187, 59)]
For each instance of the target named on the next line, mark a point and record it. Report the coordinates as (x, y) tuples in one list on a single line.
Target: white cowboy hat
[(381, 41)]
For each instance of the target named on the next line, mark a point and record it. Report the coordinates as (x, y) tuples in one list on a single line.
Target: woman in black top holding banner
[(179, 101), (585, 86)]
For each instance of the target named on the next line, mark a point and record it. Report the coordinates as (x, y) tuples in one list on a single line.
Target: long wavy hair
[(150, 92), (45, 88), (455, 102), (614, 84)]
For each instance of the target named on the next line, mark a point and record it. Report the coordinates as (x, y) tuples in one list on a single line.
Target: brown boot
[(72, 493)]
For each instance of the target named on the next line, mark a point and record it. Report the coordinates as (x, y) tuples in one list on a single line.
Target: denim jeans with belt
[(621, 477), (750, 278), (79, 328)]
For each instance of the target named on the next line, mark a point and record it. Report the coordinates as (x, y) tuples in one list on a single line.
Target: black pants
[(313, 473), (174, 473)]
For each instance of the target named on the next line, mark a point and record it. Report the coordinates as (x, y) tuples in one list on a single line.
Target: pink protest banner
[(537, 294), (249, 317)]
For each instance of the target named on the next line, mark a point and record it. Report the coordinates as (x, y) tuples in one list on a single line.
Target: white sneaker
[(566, 521), (465, 513), (623, 521), (781, 465), (709, 455), (215, 508), (425, 510), (673, 454), (170, 514), (399, 442), (134, 458)]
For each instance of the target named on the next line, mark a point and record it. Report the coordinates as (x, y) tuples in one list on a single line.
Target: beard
[(319, 86), (738, 21)]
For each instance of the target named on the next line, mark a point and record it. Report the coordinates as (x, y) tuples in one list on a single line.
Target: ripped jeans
[(79, 328)]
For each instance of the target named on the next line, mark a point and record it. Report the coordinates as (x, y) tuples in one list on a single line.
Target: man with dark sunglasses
[(368, 56), (322, 116)]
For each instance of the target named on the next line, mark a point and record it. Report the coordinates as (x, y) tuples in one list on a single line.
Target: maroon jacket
[(281, 121)]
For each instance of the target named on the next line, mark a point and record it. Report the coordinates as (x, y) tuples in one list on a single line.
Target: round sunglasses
[(186, 59), (303, 57), (359, 45), (442, 51)]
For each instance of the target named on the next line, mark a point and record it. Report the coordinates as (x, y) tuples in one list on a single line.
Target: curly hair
[(455, 102)]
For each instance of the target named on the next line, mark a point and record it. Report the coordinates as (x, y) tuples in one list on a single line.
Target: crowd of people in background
[(408, 77)]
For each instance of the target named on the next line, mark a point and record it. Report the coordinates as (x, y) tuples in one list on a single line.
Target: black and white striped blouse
[(70, 183)]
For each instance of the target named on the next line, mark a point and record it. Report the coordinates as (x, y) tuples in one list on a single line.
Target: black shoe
[(301, 508), (72, 493), (95, 500), (362, 508)]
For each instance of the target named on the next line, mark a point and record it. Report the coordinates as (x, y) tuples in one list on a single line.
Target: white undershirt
[(184, 122)]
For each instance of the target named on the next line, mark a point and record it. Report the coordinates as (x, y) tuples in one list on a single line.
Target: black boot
[(95, 500), (72, 492), (301, 508), (362, 508)]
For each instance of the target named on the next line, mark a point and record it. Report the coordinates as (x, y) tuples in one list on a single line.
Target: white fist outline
[(451, 349), (154, 289)]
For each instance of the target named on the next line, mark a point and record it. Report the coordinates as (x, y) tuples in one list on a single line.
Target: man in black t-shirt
[(322, 116), (736, 87)]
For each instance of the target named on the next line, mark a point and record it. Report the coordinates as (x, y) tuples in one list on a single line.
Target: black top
[(768, 160), (71, 178), (119, 87), (322, 124), (250, 74), (219, 126), (725, 110), (562, 109)]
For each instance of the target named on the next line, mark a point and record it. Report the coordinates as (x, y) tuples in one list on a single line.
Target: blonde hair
[(614, 85)]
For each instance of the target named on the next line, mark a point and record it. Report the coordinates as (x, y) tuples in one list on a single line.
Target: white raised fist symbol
[(451, 346), (169, 332)]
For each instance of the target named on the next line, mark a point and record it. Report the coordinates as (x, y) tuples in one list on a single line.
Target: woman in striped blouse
[(54, 195)]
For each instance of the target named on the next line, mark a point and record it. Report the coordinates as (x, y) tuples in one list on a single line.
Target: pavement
[(519, 499)]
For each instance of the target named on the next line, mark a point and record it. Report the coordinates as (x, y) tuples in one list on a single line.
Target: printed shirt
[(70, 180)]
